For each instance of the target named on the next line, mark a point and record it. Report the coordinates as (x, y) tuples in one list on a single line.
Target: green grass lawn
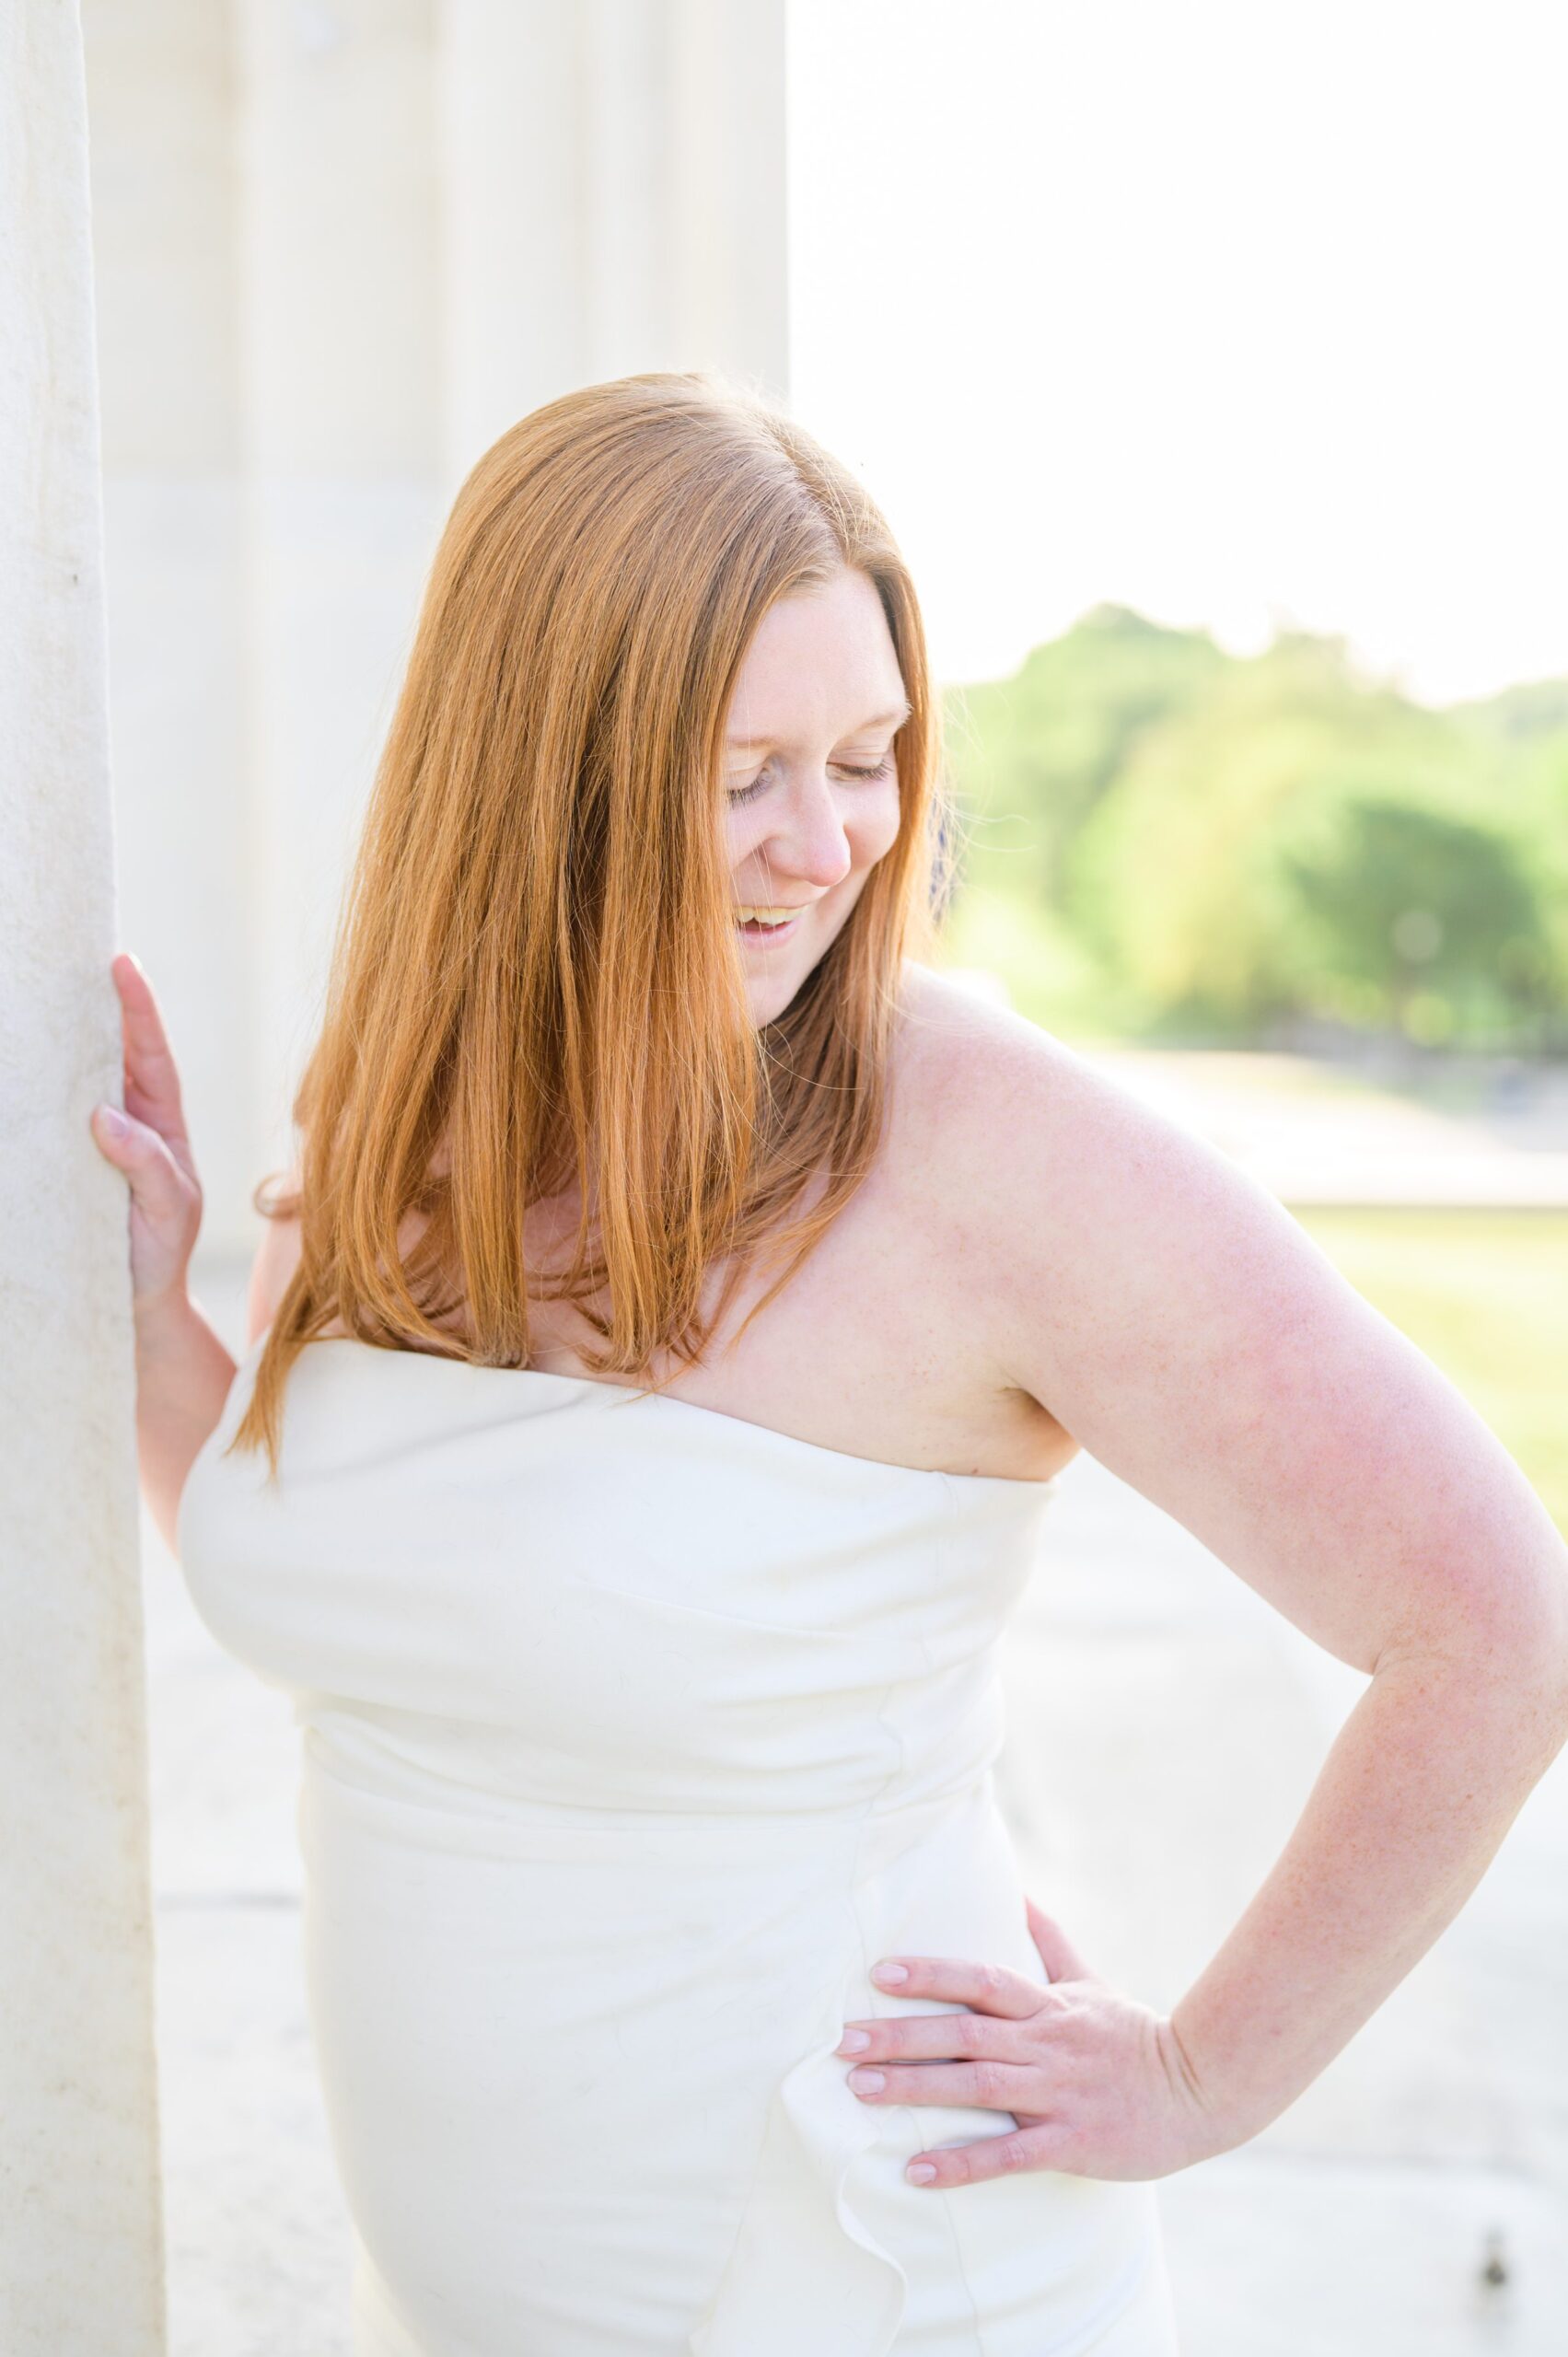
[(1484, 1294)]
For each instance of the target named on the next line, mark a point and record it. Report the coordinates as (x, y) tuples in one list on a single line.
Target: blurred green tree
[(1421, 908), (1172, 839), (1030, 756)]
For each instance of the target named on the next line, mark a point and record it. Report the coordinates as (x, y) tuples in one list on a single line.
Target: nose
[(811, 841)]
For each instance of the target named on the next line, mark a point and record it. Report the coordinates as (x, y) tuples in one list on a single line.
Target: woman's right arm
[(182, 1377), (183, 1372)]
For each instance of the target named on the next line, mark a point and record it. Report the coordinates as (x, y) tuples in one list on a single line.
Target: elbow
[(1502, 1647)]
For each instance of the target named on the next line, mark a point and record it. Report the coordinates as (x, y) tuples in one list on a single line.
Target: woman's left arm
[(1184, 1327), (1423, 1780)]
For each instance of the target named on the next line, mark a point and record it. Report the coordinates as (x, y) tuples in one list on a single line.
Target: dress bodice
[(575, 1594)]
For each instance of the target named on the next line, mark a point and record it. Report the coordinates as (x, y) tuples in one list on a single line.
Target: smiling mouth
[(775, 925)]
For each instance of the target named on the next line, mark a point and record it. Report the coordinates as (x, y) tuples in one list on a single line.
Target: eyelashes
[(749, 793)]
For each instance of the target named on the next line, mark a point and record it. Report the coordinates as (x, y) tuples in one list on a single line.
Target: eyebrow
[(877, 720)]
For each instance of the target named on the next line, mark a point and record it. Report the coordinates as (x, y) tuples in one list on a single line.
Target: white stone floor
[(1165, 1726)]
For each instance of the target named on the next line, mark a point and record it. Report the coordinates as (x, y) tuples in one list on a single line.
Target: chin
[(768, 995), (766, 1006)]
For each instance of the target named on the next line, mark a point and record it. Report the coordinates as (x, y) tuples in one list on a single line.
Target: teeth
[(764, 916)]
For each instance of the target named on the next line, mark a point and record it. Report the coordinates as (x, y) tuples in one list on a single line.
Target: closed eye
[(846, 769)]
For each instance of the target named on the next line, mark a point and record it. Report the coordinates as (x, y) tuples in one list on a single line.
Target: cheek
[(875, 828), (735, 836)]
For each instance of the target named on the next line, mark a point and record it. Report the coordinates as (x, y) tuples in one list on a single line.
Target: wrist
[(164, 1323), (1219, 2115)]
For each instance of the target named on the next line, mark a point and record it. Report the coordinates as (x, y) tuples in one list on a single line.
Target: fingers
[(152, 1077), (989, 1988), (138, 1150), (994, 2086), (1019, 2149), (926, 2038), (1060, 1958)]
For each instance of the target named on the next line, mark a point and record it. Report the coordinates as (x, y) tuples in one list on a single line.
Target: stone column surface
[(164, 154), (336, 264), (80, 2232), (614, 199)]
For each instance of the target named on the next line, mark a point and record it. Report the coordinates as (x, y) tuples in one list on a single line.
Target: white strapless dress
[(635, 1733)]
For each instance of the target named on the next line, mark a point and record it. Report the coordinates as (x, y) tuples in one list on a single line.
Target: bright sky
[(1231, 311)]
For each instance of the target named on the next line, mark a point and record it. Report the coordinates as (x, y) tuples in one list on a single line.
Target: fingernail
[(920, 2172), (867, 2082), (854, 2041), (890, 1975), (113, 1123)]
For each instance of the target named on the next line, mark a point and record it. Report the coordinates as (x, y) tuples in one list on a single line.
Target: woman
[(685, 1306)]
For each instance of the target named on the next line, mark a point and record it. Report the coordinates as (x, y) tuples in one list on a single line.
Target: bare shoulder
[(1180, 1323), (1106, 1238), (1007, 1109), (959, 1046), (1029, 1170)]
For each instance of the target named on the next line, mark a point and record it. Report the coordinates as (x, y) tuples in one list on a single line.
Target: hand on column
[(147, 1143)]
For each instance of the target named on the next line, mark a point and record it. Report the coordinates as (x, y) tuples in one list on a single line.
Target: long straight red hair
[(535, 981)]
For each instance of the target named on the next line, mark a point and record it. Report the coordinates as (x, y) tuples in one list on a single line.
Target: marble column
[(340, 326), (613, 198), (80, 2226), (164, 117)]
